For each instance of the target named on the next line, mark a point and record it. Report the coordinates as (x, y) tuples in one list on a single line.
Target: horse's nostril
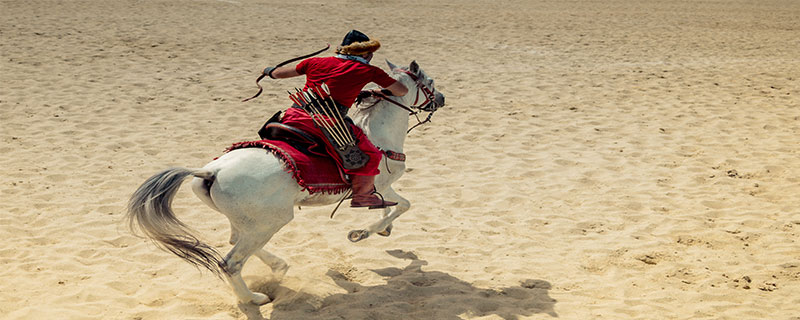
[(440, 100)]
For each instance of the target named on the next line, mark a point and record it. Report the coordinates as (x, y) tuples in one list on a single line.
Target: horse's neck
[(385, 123)]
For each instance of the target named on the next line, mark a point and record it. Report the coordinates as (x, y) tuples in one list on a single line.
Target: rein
[(424, 106), (261, 89)]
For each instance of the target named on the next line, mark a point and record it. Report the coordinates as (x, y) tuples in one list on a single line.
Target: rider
[(345, 75)]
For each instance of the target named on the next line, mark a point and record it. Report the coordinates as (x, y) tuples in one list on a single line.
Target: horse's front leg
[(384, 225), (388, 230)]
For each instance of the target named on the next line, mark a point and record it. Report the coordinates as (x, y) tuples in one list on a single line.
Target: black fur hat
[(357, 43), (354, 36)]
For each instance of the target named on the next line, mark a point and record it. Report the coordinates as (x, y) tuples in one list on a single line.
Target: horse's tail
[(150, 211)]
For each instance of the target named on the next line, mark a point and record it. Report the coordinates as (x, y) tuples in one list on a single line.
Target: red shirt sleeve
[(302, 66), (381, 78)]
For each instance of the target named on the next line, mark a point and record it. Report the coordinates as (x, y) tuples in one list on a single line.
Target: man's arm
[(395, 89), (283, 72), (398, 89)]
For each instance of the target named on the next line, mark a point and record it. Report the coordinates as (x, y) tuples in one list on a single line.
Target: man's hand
[(363, 95)]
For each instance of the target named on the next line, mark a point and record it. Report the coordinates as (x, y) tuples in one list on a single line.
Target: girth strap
[(396, 156)]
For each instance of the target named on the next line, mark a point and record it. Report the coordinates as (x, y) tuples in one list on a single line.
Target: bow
[(260, 89)]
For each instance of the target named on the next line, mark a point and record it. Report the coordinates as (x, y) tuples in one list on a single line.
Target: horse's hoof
[(387, 232), (357, 235), (260, 298)]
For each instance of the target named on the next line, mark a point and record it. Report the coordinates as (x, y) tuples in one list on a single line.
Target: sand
[(595, 160)]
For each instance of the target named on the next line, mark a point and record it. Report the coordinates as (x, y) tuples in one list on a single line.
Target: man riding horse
[(345, 75)]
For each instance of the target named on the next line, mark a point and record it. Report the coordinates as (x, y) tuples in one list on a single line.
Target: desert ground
[(595, 159)]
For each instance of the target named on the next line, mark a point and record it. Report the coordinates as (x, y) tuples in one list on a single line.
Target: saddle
[(298, 139), (303, 155)]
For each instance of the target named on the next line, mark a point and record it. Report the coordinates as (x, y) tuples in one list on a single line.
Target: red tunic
[(345, 79), (299, 119)]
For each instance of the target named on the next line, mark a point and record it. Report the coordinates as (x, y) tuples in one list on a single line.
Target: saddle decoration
[(317, 102)]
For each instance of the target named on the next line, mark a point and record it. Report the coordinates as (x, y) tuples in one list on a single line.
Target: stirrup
[(383, 203)]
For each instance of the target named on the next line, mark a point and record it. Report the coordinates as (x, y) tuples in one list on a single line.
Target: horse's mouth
[(436, 103)]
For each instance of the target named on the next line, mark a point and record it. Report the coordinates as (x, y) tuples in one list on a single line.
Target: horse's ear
[(391, 65), (414, 67)]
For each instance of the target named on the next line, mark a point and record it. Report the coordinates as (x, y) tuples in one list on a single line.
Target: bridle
[(428, 105)]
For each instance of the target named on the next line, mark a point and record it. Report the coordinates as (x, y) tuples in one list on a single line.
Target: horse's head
[(426, 97)]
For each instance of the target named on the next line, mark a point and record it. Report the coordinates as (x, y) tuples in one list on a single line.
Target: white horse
[(251, 187)]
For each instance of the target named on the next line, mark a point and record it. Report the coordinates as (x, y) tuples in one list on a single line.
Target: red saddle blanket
[(312, 173)]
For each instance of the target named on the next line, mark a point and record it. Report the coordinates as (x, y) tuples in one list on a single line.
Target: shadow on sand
[(409, 293)]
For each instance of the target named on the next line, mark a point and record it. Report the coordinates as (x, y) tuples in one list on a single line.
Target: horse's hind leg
[(278, 265), (234, 235), (251, 238), (246, 245)]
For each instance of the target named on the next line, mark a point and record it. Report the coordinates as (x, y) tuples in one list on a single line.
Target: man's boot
[(364, 194)]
